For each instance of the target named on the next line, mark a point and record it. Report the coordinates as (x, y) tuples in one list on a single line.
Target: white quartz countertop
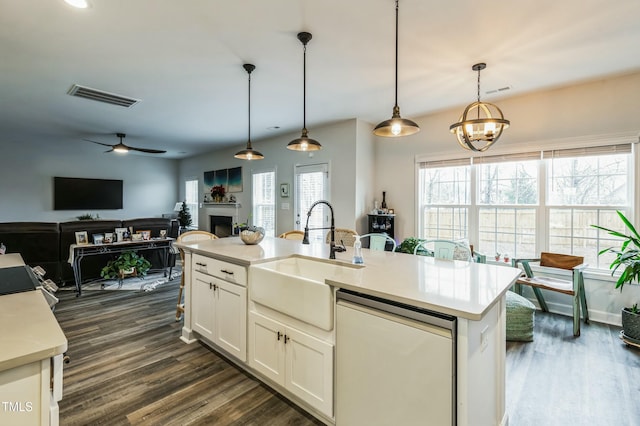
[(29, 331), (458, 288)]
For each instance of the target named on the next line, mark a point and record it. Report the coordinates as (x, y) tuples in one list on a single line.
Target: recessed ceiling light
[(80, 4)]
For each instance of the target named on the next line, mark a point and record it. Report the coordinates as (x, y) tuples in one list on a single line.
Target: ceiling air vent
[(100, 96), (499, 90)]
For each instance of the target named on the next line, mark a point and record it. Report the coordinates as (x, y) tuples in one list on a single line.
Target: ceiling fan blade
[(99, 143), (148, 151)]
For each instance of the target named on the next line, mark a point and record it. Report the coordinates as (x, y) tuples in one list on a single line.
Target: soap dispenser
[(357, 251)]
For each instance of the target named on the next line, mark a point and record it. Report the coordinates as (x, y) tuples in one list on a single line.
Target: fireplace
[(222, 226)]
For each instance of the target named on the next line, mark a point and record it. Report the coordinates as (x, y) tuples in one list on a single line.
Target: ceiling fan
[(122, 148)]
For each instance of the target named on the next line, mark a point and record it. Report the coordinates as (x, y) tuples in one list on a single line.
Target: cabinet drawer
[(227, 271)]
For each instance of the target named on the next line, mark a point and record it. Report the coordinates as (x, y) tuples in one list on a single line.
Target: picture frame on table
[(98, 238), (163, 233), (82, 238), (146, 235), (136, 237), (108, 238)]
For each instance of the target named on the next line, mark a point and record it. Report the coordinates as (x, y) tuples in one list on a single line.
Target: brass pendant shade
[(481, 123), (304, 142), (396, 126), (249, 153)]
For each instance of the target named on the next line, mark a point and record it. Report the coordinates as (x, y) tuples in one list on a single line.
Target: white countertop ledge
[(458, 288), (29, 331)]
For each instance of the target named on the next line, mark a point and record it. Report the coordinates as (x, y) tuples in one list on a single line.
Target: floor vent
[(100, 96)]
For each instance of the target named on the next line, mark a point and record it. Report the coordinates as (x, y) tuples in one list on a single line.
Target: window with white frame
[(311, 185), (192, 200), (507, 203), (264, 201), (444, 199), (522, 204), (585, 187)]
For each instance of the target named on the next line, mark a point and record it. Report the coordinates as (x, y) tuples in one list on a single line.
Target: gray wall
[(341, 145), (150, 184)]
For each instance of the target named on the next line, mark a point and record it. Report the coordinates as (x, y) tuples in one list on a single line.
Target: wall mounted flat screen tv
[(86, 194)]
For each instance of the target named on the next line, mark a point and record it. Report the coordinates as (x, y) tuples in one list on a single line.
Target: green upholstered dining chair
[(444, 249), (379, 241), (573, 287)]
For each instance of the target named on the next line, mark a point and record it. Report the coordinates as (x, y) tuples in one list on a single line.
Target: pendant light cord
[(396, 100), (249, 115), (478, 109), (304, 86)]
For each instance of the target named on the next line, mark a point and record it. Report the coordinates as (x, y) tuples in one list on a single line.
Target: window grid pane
[(508, 231), (509, 183), (448, 223), (310, 188), (595, 181), (264, 208), (192, 200), (570, 231)]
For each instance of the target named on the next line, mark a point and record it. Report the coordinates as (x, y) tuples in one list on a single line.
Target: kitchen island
[(270, 327)]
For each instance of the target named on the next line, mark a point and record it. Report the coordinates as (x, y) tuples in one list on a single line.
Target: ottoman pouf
[(520, 318)]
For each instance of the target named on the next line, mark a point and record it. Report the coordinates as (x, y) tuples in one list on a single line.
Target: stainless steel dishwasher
[(396, 364)]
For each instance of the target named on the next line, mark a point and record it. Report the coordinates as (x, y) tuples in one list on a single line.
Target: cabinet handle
[(286, 339), (279, 334), (224, 271), (201, 264), (213, 286)]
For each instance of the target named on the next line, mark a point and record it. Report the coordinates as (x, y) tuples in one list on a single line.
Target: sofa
[(47, 244), (37, 242)]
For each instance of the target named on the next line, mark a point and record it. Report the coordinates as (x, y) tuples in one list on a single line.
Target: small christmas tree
[(184, 217)]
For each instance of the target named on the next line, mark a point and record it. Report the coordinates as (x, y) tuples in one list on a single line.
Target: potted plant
[(628, 257), (126, 264), (217, 193), (184, 216), (409, 245)]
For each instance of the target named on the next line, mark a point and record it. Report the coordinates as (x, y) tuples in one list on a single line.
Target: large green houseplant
[(127, 263), (627, 257)]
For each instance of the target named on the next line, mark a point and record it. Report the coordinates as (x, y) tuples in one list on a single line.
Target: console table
[(78, 251)]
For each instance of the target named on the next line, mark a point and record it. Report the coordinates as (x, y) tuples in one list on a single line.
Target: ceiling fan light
[(120, 149)]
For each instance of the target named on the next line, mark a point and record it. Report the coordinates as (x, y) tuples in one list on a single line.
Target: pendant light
[(304, 142), (249, 153), (396, 126), (479, 133)]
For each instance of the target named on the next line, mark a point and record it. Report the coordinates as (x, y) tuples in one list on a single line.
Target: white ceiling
[(183, 60)]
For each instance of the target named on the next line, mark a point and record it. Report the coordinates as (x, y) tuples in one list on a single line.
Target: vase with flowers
[(217, 193)]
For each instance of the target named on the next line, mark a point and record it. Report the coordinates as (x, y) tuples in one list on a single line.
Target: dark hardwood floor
[(128, 366)]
